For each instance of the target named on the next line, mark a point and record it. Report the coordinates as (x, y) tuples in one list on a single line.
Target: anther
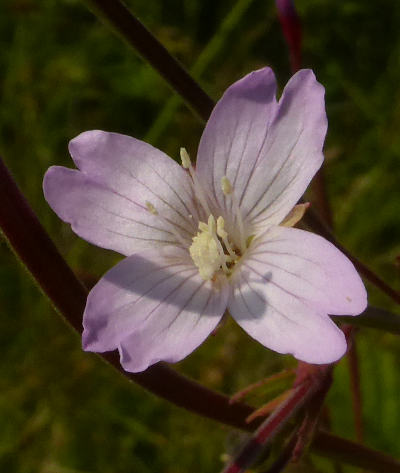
[(203, 227), (171, 227), (226, 185), (220, 228), (151, 208), (185, 158), (211, 224), (186, 164)]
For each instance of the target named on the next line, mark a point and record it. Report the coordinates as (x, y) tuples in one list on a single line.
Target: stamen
[(224, 236), (227, 189), (151, 209), (212, 228), (186, 163), (185, 158), (220, 228), (226, 185)]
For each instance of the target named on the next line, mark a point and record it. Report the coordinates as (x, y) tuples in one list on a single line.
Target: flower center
[(211, 250)]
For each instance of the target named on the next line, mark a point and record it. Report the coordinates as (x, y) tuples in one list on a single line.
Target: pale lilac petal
[(286, 285), (105, 201), (100, 215), (292, 151), (152, 306), (268, 151), (234, 135)]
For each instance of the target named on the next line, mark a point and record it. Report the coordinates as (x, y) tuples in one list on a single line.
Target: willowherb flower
[(200, 240)]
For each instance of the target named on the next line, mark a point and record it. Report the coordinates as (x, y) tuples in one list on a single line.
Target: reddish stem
[(356, 396), (284, 457), (292, 32), (309, 425), (291, 28), (318, 187), (364, 458), (268, 429), (138, 36)]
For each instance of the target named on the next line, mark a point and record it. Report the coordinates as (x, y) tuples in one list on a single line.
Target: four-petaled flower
[(218, 236)]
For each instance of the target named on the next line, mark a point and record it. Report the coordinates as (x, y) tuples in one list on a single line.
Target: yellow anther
[(226, 185), (205, 255), (220, 228), (151, 208), (212, 227), (185, 158), (295, 215), (203, 227)]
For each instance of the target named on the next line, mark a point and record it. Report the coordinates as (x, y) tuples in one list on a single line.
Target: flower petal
[(292, 151), (152, 306), (231, 142), (287, 284), (106, 200), (268, 151)]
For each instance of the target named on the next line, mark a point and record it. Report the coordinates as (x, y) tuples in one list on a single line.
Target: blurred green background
[(62, 72)]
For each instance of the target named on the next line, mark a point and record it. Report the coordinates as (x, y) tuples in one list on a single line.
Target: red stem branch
[(268, 429)]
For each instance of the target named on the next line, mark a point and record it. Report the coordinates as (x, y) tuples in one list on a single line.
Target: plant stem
[(354, 453), (374, 317), (268, 429), (138, 36), (355, 388)]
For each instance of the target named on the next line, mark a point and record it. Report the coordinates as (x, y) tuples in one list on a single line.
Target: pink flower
[(200, 241)]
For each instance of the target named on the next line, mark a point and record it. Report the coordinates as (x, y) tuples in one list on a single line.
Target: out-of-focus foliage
[(61, 72)]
